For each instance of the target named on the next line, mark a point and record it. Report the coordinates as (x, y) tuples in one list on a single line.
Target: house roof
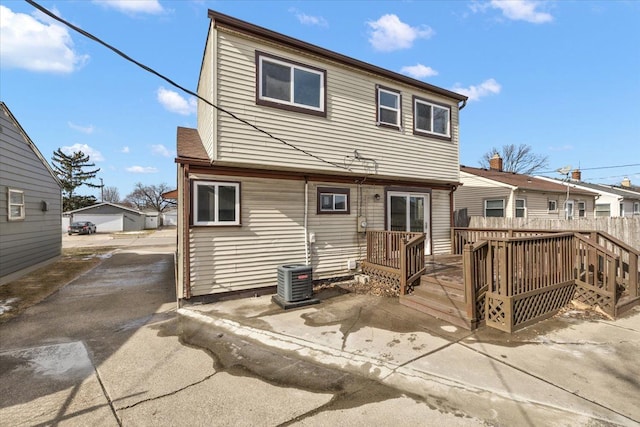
[(30, 143), (220, 19), (524, 182), (190, 146), (173, 194), (125, 208), (602, 188)]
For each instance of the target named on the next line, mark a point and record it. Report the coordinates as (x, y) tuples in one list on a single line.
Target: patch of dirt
[(17, 296), (577, 310), (370, 287)]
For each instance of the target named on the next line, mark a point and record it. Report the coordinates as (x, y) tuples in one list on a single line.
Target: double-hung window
[(603, 210), (216, 203), (494, 208), (289, 85), (431, 119), (582, 209), (552, 205), (333, 200), (389, 104), (15, 207), (521, 208), (636, 208)]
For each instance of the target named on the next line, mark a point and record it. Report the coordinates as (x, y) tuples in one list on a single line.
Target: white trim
[(21, 205), (216, 212), (524, 208), (385, 107), (292, 68), (494, 200), (433, 106)]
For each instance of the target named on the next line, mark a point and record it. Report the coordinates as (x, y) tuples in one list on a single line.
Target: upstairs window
[(388, 103), (15, 207), (291, 86), (521, 208), (333, 200), (494, 208), (216, 203), (431, 119)]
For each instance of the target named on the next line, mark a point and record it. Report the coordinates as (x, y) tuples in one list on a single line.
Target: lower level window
[(582, 209), (16, 205), (521, 208), (636, 208), (333, 200), (603, 209), (494, 208), (216, 203)]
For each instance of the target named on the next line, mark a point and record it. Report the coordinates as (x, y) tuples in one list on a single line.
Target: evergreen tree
[(72, 173)]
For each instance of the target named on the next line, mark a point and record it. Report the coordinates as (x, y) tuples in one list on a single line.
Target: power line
[(174, 84), (596, 168)]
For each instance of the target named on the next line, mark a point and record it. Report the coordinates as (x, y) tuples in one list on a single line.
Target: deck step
[(438, 309), (443, 294), (625, 304)]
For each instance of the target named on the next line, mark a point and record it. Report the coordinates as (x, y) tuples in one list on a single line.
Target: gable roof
[(524, 182), (30, 143), (221, 20), (125, 208), (600, 188)]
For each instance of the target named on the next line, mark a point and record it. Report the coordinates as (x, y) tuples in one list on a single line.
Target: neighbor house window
[(216, 203), (582, 209), (333, 200), (521, 208), (289, 85), (621, 209), (16, 205), (430, 118), (603, 210), (636, 208), (389, 111), (494, 208), (552, 206)]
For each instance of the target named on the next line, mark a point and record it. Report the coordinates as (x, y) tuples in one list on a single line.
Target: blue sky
[(560, 76)]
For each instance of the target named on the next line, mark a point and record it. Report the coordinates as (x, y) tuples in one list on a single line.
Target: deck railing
[(396, 257), (529, 278)]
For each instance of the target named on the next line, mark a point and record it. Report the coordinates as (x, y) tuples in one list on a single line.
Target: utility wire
[(596, 168), (174, 84)]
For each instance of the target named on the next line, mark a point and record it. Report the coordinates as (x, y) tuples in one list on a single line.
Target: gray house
[(110, 217), (30, 203)]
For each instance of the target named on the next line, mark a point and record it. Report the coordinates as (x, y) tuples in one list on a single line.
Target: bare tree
[(145, 197), (111, 195), (519, 159)]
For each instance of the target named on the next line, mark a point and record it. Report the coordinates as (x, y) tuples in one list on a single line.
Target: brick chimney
[(495, 163), (626, 182), (576, 175)]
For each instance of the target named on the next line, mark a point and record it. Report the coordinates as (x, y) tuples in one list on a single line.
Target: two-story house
[(298, 151)]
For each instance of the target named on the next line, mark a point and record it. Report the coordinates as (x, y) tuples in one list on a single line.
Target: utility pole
[(101, 191)]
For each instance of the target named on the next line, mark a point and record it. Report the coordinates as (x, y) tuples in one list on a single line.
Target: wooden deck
[(508, 279)]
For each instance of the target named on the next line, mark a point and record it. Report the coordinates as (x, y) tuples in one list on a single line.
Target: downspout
[(306, 216), (464, 104)]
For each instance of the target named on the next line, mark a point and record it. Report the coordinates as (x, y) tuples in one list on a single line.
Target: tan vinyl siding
[(206, 86), (538, 205), (474, 191), (350, 122), (440, 222)]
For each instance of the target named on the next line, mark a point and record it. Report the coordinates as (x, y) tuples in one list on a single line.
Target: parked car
[(83, 227)]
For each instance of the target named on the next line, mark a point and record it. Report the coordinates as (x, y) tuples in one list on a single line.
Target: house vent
[(294, 282)]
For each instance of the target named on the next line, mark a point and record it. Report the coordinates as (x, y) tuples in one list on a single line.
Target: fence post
[(469, 266), (633, 275), (403, 266)]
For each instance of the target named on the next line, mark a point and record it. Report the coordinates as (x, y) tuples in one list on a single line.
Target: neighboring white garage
[(104, 223), (110, 217)]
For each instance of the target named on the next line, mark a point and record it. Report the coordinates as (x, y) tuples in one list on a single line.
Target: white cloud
[(125, 150), (152, 7), (161, 150), (36, 44), (174, 102), (309, 19), (389, 33), (418, 71), (142, 169), (94, 155), (84, 129), (487, 87), (517, 10)]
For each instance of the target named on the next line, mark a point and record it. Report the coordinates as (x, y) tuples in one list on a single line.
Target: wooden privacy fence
[(395, 258), (513, 279)]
